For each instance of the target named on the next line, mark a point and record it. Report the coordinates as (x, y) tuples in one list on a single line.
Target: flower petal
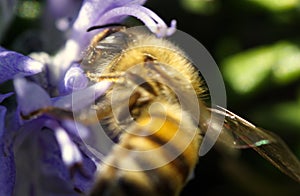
[(63, 8), (81, 182), (69, 151), (82, 98), (39, 148), (86, 139), (90, 13), (7, 170), (149, 18), (13, 63), (83, 176), (75, 79), (92, 10), (76, 130), (64, 11), (2, 120), (40, 151), (30, 96), (3, 112)]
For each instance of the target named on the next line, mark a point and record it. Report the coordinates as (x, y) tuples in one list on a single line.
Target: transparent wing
[(267, 144)]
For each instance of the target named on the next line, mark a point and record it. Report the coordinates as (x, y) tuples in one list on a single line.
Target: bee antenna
[(105, 26)]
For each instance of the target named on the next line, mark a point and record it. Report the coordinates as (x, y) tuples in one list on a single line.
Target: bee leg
[(48, 111), (111, 77)]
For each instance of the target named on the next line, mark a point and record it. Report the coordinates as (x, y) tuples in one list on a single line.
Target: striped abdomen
[(154, 157)]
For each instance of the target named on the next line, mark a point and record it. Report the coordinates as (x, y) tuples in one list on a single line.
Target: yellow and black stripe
[(159, 157)]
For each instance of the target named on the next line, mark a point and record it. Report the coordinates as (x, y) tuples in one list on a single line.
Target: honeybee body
[(158, 140)]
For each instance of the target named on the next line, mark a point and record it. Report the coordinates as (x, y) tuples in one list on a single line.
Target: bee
[(150, 112), (157, 115), (161, 139)]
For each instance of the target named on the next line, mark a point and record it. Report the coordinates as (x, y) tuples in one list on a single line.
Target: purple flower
[(43, 154)]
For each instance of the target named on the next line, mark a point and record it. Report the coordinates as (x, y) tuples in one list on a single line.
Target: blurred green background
[(256, 44)]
